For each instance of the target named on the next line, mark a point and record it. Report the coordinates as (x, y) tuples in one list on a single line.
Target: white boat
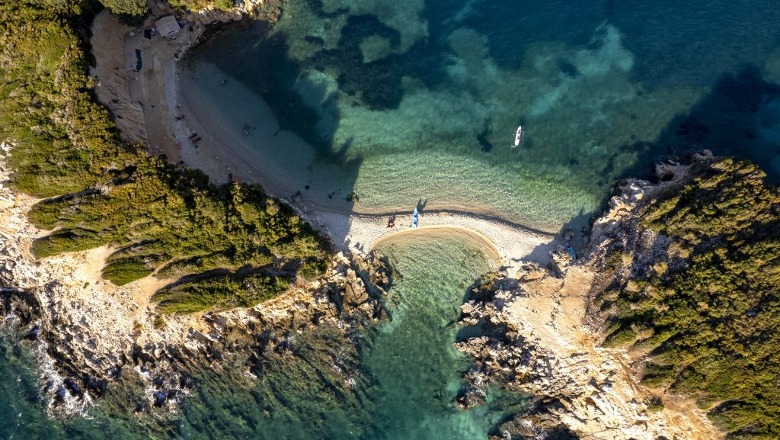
[(518, 136)]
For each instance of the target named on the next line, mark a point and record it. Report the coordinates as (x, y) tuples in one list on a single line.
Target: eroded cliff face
[(539, 334), (89, 332)]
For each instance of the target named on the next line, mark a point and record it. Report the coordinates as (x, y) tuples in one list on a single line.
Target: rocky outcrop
[(582, 391), (90, 333), (537, 335)]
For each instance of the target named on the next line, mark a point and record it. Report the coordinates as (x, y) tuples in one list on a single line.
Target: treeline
[(229, 245), (140, 7), (706, 314)]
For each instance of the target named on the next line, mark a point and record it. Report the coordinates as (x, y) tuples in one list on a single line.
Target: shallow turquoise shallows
[(416, 370), (413, 372), (403, 100)]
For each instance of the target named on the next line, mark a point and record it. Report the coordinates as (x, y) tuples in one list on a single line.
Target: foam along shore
[(176, 110)]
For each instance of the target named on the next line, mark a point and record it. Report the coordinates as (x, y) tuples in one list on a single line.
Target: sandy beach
[(225, 151), (154, 104), (174, 115), (512, 243)]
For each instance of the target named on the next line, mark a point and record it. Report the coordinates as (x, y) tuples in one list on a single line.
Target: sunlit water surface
[(402, 101)]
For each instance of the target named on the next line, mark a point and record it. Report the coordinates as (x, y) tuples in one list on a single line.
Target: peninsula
[(148, 244)]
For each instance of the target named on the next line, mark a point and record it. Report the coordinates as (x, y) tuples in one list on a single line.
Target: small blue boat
[(415, 218)]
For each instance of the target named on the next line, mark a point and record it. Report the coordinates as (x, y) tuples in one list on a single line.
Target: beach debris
[(296, 198), (352, 197)]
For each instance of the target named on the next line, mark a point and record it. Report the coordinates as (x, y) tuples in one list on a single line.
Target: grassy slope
[(100, 191)]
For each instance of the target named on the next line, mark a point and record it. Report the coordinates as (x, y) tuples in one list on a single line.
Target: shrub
[(157, 215), (714, 320)]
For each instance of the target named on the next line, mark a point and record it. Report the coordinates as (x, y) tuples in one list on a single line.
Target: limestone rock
[(90, 332), (536, 336)]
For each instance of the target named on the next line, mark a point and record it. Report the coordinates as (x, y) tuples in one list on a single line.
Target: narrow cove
[(413, 372)]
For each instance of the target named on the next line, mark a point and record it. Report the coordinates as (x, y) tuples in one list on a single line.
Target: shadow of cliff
[(740, 117), (730, 120), (261, 62), (302, 104), (734, 119)]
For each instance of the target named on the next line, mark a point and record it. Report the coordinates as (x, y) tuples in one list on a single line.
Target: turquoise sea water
[(407, 100), (415, 368), (412, 372)]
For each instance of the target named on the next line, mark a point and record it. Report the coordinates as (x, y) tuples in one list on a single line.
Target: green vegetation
[(195, 5), (139, 8), (126, 7), (158, 218), (710, 315), (225, 291)]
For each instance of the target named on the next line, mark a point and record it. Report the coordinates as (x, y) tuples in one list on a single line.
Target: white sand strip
[(227, 150), (362, 232)]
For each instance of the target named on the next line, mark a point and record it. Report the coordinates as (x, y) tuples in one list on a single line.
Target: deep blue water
[(421, 99)]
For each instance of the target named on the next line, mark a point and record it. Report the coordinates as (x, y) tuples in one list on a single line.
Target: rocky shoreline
[(539, 335), (91, 333)]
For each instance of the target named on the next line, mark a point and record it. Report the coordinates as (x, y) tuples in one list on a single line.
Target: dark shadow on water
[(730, 121), (726, 121), (512, 26), (377, 83), (482, 138), (698, 40), (260, 61)]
